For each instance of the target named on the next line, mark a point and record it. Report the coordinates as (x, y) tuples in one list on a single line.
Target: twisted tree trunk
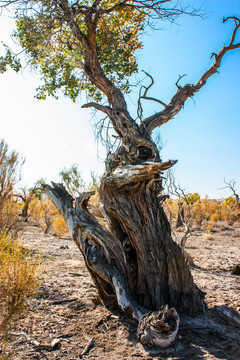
[(134, 262)]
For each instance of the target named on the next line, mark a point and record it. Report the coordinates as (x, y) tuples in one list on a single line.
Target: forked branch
[(145, 97), (188, 90)]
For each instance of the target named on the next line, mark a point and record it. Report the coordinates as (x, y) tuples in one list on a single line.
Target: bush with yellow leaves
[(59, 226), (203, 211), (19, 279), (43, 212), (10, 221)]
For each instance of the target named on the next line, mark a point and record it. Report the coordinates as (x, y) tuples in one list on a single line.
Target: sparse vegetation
[(43, 212), (204, 212), (59, 226), (10, 174), (19, 270), (19, 279), (72, 180)]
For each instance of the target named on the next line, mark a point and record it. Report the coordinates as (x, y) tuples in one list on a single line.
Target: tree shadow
[(57, 297), (202, 337)]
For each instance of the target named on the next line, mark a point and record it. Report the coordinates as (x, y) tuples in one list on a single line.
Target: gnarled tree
[(134, 262)]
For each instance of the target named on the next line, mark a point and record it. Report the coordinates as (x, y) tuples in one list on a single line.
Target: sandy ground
[(82, 317)]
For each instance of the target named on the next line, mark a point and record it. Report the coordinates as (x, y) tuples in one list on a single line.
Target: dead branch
[(145, 97), (87, 347), (64, 300), (188, 90), (36, 344), (231, 185), (105, 109), (127, 174), (179, 192), (180, 77)]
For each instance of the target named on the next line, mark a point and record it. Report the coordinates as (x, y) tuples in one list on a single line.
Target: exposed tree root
[(159, 328)]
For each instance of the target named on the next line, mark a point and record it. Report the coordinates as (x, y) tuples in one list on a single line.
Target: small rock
[(236, 270), (64, 247)]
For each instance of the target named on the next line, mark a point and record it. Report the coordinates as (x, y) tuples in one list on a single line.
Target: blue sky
[(204, 137)]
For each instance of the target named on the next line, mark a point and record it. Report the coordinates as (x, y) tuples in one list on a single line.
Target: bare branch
[(182, 218), (188, 90), (145, 97), (231, 185), (180, 77), (105, 109), (237, 25)]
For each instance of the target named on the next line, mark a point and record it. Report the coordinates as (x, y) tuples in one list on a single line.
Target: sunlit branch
[(188, 90), (105, 109)]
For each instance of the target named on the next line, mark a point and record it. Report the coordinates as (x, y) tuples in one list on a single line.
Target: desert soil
[(82, 317)]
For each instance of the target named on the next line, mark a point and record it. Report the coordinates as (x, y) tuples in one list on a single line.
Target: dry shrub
[(215, 217), (214, 211), (59, 226), (208, 227), (43, 212), (171, 208), (18, 280), (197, 213), (10, 221), (200, 212)]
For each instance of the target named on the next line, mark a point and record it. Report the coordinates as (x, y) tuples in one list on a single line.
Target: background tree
[(27, 195), (184, 211), (10, 174), (233, 201), (72, 180), (134, 262), (231, 185)]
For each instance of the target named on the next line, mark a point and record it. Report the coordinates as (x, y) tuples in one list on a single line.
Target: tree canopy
[(61, 37)]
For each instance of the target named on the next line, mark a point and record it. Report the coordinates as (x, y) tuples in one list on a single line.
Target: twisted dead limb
[(183, 93), (103, 255)]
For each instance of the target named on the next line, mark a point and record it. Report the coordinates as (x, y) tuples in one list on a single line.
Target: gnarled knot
[(159, 328), (144, 152)]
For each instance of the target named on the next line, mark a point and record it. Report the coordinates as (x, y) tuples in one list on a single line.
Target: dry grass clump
[(209, 237), (19, 279)]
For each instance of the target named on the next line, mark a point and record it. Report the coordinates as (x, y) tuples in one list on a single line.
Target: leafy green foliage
[(52, 47), (72, 180), (230, 201), (192, 198), (9, 60)]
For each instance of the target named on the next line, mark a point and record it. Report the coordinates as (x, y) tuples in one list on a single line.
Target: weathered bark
[(157, 273), (135, 263)]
